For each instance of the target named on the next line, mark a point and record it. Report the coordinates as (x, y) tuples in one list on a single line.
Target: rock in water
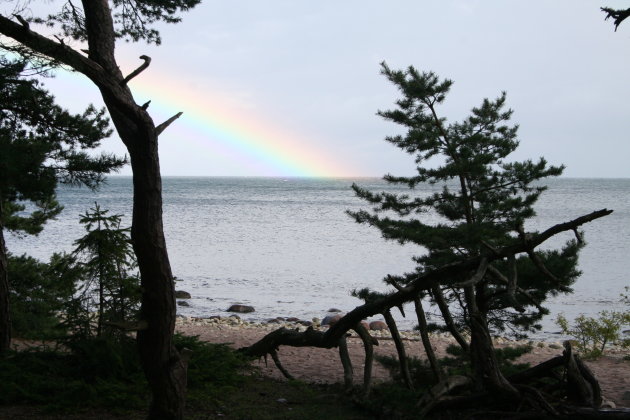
[(183, 303), (243, 309), (180, 294)]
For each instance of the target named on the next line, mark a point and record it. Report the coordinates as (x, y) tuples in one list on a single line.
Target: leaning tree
[(481, 202), (98, 24), (480, 267), (41, 145)]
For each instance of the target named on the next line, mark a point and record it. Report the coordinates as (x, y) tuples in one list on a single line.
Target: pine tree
[(41, 146), (482, 200), (107, 260), (98, 24)]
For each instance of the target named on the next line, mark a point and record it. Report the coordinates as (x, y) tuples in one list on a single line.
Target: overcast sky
[(302, 78)]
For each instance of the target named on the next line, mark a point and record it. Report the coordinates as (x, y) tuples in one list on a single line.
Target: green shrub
[(594, 334), (38, 291), (212, 368), (106, 373)]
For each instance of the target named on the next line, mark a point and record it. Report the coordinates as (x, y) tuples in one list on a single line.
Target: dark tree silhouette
[(483, 203), (617, 15), (100, 25), (479, 255), (41, 145)]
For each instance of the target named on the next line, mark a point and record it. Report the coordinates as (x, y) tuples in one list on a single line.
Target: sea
[(287, 247)]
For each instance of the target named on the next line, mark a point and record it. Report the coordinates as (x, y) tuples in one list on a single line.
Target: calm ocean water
[(286, 246)]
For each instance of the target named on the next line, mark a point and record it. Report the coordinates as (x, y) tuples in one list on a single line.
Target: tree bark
[(486, 373), (368, 346), (448, 318), (346, 362), (5, 316), (400, 348), (426, 341), (162, 364)]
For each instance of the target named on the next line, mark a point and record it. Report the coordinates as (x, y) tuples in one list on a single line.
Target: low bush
[(106, 373), (592, 334)]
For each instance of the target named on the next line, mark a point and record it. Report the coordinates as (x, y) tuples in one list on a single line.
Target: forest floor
[(317, 393), (323, 366)]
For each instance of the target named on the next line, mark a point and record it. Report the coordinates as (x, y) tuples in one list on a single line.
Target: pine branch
[(619, 15)]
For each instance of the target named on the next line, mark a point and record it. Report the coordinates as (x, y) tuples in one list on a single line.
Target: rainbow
[(250, 141), (210, 122)]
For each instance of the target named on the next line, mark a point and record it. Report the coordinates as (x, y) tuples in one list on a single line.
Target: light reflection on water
[(287, 247)]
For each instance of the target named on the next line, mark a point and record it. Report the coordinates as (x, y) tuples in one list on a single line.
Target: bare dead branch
[(499, 276), (276, 361), (368, 344), (540, 265), (476, 278), (22, 21), (400, 348), (426, 341), (448, 318), (140, 69), (512, 284), (166, 123), (344, 355)]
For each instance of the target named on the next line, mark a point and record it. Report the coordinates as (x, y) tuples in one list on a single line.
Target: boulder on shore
[(378, 326), (331, 319), (243, 309), (180, 294)]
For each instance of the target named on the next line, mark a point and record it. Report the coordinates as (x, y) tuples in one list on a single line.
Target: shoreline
[(323, 365)]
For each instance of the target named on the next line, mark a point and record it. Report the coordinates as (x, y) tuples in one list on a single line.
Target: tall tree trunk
[(5, 318), (162, 364), (486, 373)]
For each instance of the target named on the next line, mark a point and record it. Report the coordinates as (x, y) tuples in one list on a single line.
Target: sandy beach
[(323, 365)]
